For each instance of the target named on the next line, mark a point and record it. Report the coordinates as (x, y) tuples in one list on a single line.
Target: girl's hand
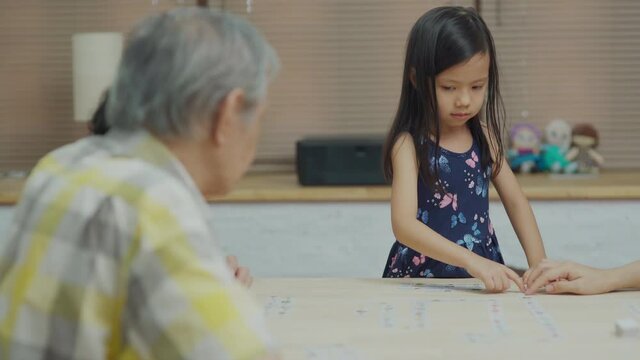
[(568, 277), (241, 273), (527, 274), (496, 277)]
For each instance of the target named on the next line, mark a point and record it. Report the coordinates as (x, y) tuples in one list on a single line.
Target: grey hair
[(179, 65)]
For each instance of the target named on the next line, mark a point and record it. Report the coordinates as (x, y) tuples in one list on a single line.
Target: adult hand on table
[(568, 277), (242, 274)]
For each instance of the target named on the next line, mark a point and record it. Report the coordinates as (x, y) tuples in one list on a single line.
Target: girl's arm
[(520, 214), (413, 233)]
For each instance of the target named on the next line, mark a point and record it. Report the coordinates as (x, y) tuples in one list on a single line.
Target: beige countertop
[(284, 187)]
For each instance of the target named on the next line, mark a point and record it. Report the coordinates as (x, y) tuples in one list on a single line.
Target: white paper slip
[(332, 352), (627, 328)]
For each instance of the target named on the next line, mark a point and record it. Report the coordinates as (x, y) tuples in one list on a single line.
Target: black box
[(340, 161)]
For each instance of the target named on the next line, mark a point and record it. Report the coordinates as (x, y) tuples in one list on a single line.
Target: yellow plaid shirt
[(111, 256)]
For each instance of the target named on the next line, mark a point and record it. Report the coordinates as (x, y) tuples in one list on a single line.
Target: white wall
[(353, 239), (307, 239)]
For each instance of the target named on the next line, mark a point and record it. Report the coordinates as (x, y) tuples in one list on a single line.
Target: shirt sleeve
[(183, 304)]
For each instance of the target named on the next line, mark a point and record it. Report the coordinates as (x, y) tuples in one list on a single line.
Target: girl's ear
[(412, 77)]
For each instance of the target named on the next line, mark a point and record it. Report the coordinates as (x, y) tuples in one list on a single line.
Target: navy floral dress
[(461, 215)]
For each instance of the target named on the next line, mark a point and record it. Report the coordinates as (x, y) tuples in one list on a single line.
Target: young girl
[(443, 149)]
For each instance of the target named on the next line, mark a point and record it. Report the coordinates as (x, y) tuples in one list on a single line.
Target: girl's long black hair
[(441, 38)]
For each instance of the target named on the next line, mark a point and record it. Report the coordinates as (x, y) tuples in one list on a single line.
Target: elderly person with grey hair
[(110, 254)]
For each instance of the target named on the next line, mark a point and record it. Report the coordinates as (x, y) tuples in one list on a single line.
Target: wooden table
[(342, 319)]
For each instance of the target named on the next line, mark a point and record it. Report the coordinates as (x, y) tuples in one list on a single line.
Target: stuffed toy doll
[(553, 158), (583, 151), (524, 152)]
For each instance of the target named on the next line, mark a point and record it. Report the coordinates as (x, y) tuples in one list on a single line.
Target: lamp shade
[(95, 60)]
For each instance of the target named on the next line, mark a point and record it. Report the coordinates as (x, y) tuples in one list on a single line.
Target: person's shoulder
[(79, 149), (90, 165), (492, 142), (403, 154), (138, 181), (403, 142), (55, 172)]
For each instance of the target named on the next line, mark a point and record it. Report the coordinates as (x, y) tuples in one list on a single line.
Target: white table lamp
[(95, 60)]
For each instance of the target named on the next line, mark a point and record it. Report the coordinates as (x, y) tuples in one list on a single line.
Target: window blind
[(342, 63), (577, 60), (36, 101), (342, 66)]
